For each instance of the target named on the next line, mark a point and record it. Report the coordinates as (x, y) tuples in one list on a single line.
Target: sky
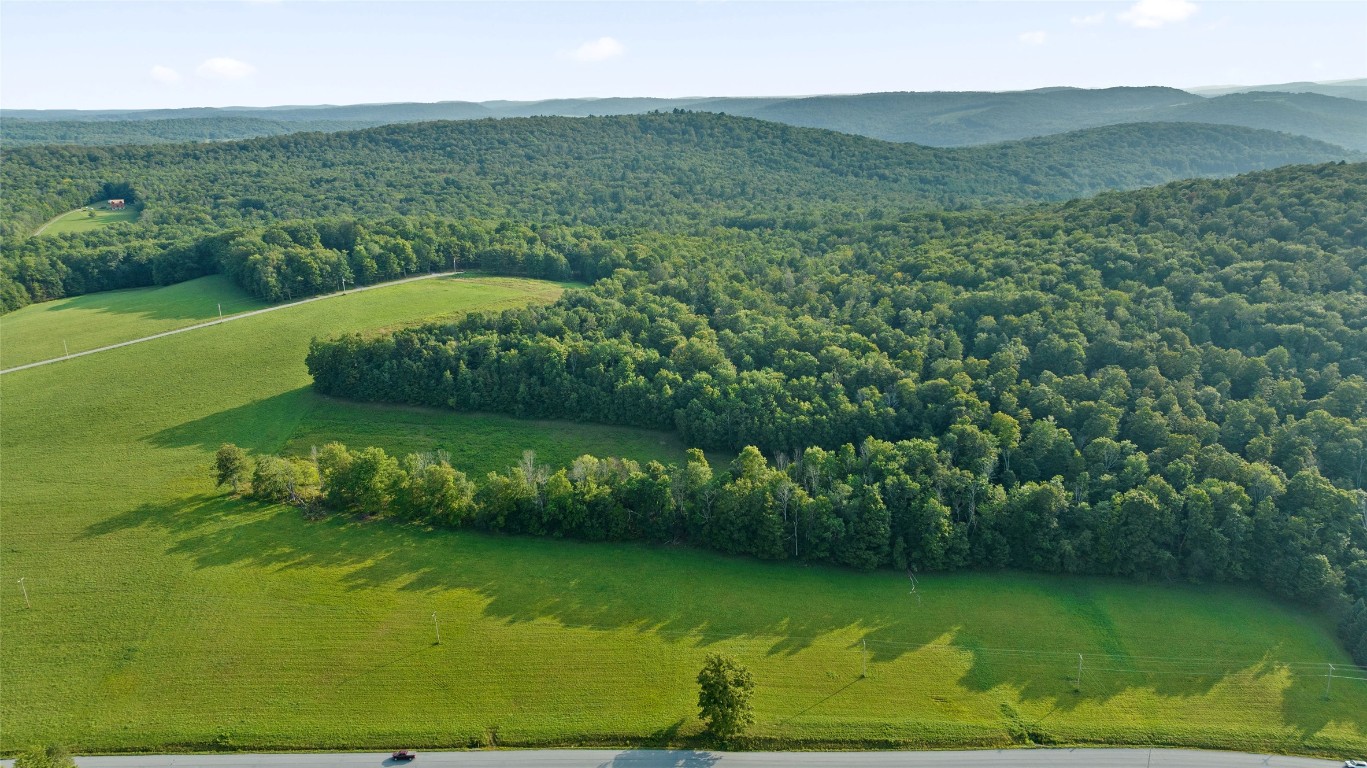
[(130, 54)]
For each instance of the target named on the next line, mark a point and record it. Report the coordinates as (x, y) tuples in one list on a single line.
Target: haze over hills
[(1347, 89), (933, 119)]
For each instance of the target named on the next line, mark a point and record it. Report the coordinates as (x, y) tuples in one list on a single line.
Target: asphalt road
[(227, 319), (648, 758)]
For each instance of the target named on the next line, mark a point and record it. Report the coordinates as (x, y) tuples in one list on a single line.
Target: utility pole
[(1079, 672), (65, 352), (436, 626), (864, 657), (220, 312), (1328, 683), (24, 589)]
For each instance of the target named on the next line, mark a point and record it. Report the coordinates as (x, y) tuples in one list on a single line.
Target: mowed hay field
[(166, 616)]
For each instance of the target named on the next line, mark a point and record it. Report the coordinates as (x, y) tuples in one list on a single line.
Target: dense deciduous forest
[(1166, 384), (676, 172)]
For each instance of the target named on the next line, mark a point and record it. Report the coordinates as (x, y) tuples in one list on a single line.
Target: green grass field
[(166, 616), (82, 220), (37, 331)]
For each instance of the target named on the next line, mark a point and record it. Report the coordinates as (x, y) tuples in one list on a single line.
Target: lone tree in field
[(725, 688), (231, 466)]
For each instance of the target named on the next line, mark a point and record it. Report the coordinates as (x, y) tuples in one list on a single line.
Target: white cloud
[(1152, 14), (164, 74), (1088, 21), (1033, 38), (222, 68), (602, 49)]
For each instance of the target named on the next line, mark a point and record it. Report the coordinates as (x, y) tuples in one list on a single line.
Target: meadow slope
[(166, 616), (37, 332)]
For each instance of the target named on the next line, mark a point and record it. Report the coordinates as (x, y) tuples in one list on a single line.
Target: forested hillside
[(662, 171), (1340, 121), (1165, 384), (647, 169)]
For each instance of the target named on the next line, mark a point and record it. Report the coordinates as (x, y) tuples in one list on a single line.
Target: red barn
[(116, 205)]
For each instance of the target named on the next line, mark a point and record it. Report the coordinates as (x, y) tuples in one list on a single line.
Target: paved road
[(227, 319), (646, 758)]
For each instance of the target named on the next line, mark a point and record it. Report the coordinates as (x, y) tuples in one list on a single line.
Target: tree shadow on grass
[(261, 425), (176, 302), (658, 758), (702, 599)]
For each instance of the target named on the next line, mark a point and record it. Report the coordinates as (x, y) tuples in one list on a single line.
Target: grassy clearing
[(167, 616), (37, 331), (91, 217)]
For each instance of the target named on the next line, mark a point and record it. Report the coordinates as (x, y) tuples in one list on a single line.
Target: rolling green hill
[(1338, 121), (660, 169), (666, 171)]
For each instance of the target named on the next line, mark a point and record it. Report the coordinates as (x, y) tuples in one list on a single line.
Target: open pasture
[(166, 616), (37, 332)]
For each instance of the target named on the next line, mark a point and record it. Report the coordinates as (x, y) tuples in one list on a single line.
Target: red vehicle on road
[(404, 754)]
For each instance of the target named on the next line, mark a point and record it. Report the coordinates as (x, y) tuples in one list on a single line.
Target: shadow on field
[(700, 599), (651, 758), (189, 301), (262, 425)]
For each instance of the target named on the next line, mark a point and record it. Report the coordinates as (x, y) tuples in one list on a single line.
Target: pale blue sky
[(141, 55)]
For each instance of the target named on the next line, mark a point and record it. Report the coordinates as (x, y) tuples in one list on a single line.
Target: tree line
[(903, 505), (295, 259)]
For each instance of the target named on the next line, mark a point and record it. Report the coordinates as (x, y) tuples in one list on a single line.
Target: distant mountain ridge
[(940, 119), (1346, 89)]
